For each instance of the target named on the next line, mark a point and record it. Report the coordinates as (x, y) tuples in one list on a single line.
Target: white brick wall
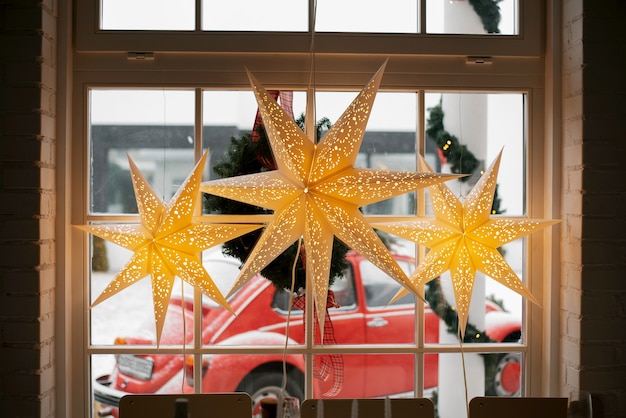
[(593, 291), (27, 211)]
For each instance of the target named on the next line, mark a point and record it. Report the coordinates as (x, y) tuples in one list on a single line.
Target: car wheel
[(506, 381), (262, 384)]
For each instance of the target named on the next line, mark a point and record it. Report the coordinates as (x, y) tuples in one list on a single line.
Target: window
[(165, 110)]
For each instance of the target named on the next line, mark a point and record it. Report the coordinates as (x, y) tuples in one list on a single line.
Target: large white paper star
[(463, 238), (316, 193), (167, 243)]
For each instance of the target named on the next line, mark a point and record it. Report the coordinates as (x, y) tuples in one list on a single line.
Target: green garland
[(244, 157), (489, 13), (461, 159)]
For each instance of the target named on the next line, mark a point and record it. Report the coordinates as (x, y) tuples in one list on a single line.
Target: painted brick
[(16, 201), (13, 123), (23, 281), (47, 178), (601, 149), (22, 178), (605, 279), (48, 151), (46, 330), (572, 106), (572, 154), (604, 104), (24, 383), (574, 228), (23, 72), (18, 255), (20, 148), (22, 18), (20, 229), (26, 305), (573, 133), (598, 304), (601, 180), (572, 328), (21, 99), (602, 329), (19, 407), (572, 59), (21, 46), (572, 10), (605, 229), (571, 302), (17, 358), (604, 378)]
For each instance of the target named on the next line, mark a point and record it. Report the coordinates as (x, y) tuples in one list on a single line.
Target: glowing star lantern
[(167, 243), (316, 193), (463, 238)]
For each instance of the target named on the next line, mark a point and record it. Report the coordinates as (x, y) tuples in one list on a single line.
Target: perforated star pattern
[(167, 243), (463, 238), (316, 193)]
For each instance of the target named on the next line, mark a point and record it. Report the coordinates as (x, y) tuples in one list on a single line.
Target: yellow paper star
[(167, 243), (463, 238), (316, 193)]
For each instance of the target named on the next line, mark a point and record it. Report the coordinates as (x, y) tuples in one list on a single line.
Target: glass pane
[(469, 130), (399, 16), (247, 15), (231, 115), (491, 374), (472, 18), (139, 374), (389, 142), (365, 375), (147, 15), (128, 316), (154, 128)]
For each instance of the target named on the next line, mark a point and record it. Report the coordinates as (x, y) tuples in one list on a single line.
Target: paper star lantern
[(316, 193), (167, 243), (463, 238)]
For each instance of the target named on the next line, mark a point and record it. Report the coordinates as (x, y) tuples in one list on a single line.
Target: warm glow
[(167, 243), (316, 193), (463, 238)]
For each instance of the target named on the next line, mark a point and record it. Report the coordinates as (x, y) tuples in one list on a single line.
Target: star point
[(316, 193), (167, 243), (463, 238)]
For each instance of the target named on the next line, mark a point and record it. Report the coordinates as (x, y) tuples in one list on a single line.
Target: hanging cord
[(464, 376), (182, 307), (461, 195), (289, 309), (314, 133)]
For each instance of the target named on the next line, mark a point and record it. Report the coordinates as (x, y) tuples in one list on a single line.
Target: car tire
[(506, 378), (267, 384)]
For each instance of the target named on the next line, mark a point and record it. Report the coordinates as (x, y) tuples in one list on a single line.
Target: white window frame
[(89, 37), (342, 61)]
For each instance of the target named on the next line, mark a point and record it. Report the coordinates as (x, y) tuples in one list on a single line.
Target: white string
[(310, 117), (464, 376), (355, 409), (387, 407), (320, 408), (291, 293), (461, 191)]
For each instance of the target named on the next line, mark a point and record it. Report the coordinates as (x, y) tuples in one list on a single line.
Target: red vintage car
[(364, 317)]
